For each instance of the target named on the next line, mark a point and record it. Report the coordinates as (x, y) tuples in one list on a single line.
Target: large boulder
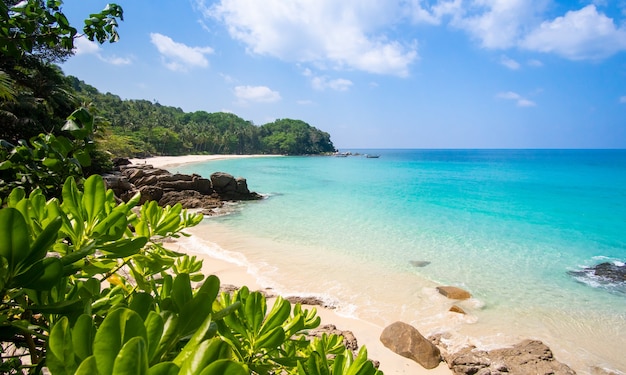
[(223, 182), (405, 340), (527, 357)]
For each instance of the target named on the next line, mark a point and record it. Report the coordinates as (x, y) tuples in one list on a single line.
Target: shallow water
[(505, 225)]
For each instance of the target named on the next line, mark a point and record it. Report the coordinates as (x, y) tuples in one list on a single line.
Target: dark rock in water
[(607, 272), (611, 271), (454, 292), (419, 263)]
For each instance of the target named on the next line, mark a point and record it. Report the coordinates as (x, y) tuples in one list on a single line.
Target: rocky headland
[(207, 195)]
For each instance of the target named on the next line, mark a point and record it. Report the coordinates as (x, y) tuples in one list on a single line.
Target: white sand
[(166, 162), (367, 334)]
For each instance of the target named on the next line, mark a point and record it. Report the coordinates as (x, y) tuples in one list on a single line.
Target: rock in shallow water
[(454, 292)]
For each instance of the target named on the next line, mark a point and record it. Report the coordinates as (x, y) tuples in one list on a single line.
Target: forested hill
[(140, 128)]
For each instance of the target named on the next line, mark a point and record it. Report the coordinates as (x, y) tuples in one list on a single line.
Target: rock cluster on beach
[(526, 357), (192, 191)]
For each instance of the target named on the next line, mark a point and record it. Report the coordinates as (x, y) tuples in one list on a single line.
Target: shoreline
[(367, 333), (230, 272), (165, 162)]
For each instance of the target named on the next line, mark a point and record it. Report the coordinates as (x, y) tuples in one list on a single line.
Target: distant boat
[(370, 156)]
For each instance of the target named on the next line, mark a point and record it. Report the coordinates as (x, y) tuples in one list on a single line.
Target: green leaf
[(132, 358), (53, 271), (14, 237), (225, 367), (142, 303), (125, 248), (44, 241), (254, 308), (93, 198), (83, 335), (277, 316), (201, 333), (181, 290), (164, 368), (270, 340), (88, 367), (60, 356), (117, 329), (207, 352), (154, 330)]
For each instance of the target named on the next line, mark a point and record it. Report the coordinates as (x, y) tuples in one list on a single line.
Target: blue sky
[(378, 73)]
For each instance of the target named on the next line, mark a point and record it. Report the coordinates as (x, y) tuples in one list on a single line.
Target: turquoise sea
[(507, 225)]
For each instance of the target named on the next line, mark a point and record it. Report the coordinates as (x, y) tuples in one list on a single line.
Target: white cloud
[(347, 34), (178, 56), (622, 99), (582, 34), (323, 83), (498, 23), (519, 100), (83, 46), (509, 63), (261, 94), (535, 63)]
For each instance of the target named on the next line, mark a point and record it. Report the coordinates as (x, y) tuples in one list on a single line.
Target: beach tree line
[(141, 127), (86, 283)]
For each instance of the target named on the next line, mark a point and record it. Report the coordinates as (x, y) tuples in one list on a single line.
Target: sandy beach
[(170, 162), (367, 333)]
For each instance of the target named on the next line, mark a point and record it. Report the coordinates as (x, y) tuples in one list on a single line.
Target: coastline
[(229, 272), (366, 333), (166, 162)]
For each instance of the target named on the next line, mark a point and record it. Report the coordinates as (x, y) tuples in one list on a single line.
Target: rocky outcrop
[(405, 340), (608, 272), (453, 292), (192, 191), (527, 357)]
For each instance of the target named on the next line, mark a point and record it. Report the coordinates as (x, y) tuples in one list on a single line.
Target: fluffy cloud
[(178, 56), (347, 34), (509, 63), (498, 23), (519, 100), (582, 34), (84, 46), (261, 94), (323, 83)]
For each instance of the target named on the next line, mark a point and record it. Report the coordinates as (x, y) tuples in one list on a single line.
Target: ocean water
[(507, 225)]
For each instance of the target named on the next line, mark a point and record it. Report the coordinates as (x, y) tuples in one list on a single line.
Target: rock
[(405, 340), (457, 309), (453, 292), (192, 191), (189, 199), (349, 341), (117, 162), (117, 182), (150, 193), (611, 272), (313, 301), (527, 357), (419, 263), (223, 182)]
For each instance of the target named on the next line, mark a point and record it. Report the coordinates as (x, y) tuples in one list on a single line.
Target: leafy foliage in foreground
[(83, 293)]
